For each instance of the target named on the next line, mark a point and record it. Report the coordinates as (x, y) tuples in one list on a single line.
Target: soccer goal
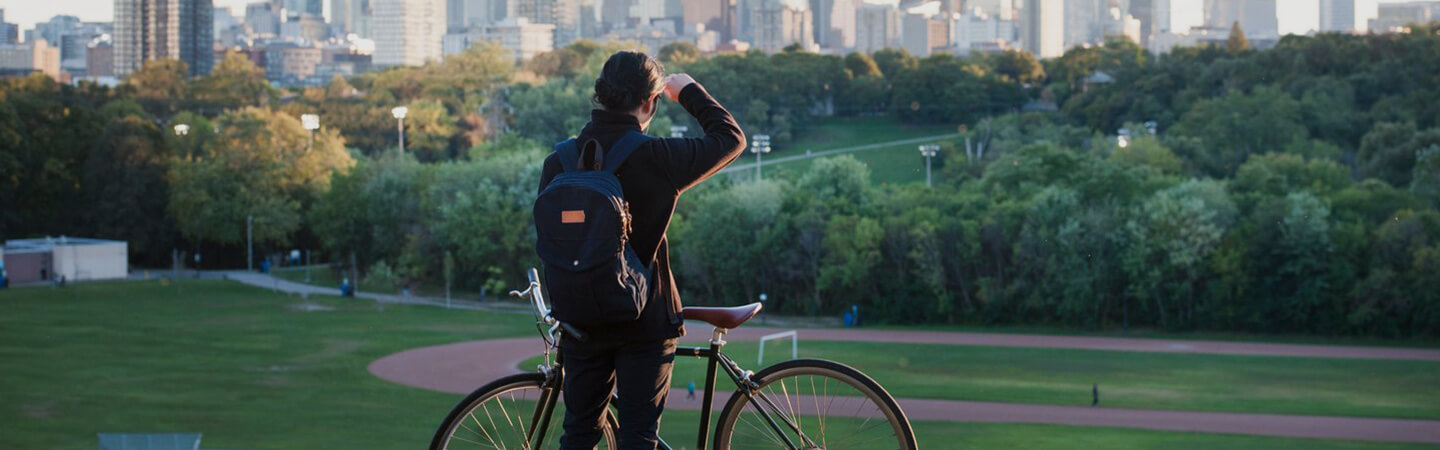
[(794, 344)]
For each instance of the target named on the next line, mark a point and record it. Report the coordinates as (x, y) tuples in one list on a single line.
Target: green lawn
[(847, 132), (251, 368), (892, 164), (1251, 384)]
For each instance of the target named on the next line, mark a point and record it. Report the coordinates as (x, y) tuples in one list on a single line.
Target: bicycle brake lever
[(519, 294)]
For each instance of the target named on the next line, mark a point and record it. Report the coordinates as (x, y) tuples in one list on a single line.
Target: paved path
[(461, 367), (271, 282), (842, 150)]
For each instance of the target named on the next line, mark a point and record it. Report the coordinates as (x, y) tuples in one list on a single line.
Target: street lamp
[(928, 151), (182, 130), (678, 131), (399, 113), (759, 146), (311, 122)]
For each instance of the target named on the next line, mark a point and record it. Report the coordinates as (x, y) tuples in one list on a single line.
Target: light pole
[(760, 146), (250, 243), (678, 131), (311, 122), (928, 151), (399, 113)]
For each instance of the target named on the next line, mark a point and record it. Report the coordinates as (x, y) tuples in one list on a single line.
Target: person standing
[(634, 359)]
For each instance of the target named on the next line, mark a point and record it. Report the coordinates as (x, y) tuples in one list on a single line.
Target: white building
[(923, 28), (74, 259), (408, 32), (877, 25), (1394, 16), (1042, 27), (516, 34), (776, 24), (978, 30), (1348, 16)]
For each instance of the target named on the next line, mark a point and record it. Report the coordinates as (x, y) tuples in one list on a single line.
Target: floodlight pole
[(399, 113), (928, 151), (760, 146)]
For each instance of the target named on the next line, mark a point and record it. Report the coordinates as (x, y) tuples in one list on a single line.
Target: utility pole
[(250, 243)]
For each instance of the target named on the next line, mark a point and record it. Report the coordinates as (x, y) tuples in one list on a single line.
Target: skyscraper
[(1042, 26), (352, 17), (295, 9), (834, 23), (9, 32), (1347, 16), (408, 32), (877, 26), (161, 29), (777, 24)]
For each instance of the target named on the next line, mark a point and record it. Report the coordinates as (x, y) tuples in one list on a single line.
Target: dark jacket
[(653, 177)]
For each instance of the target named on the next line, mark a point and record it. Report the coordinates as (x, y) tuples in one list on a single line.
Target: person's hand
[(674, 83)]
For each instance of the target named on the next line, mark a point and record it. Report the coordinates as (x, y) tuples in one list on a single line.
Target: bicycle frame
[(554, 378)]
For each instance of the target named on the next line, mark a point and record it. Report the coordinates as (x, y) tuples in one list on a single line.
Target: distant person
[(346, 289), (691, 390), (634, 358), (1095, 395)]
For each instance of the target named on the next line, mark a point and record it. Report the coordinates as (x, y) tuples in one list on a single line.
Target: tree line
[(1292, 189)]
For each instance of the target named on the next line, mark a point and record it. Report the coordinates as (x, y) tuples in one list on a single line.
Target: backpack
[(582, 226)]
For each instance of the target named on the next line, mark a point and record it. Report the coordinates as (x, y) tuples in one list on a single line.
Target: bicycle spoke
[(823, 408)]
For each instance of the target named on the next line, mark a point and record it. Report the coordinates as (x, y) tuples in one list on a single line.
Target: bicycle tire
[(516, 390), (778, 380)]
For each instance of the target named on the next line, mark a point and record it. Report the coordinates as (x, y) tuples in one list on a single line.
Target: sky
[(29, 12)]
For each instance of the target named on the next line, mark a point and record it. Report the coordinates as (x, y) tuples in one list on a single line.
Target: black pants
[(639, 374)]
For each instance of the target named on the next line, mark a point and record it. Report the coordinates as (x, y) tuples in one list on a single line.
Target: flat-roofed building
[(74, 259)]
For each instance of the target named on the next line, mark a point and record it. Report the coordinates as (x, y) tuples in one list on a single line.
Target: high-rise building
[(922, 33), (776, 24), (100, 59), (295, 9), (9, 32), (1347, 16), (35, 55), (563, 14), (834, 23), (1084, 22), (352, 17), (978, 30), (263, 19), (877, 26), (1393, 16), (1042, 26), (408, 32), (516, 34), (160, 29)]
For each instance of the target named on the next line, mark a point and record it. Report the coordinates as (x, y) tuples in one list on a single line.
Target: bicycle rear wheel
[(501, 415), (816, 404)]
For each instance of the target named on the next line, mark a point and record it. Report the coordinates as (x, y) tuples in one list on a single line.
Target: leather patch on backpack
[(576, 216)]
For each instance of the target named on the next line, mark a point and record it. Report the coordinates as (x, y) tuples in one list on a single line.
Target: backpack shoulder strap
[(568, 154), (622, 149)]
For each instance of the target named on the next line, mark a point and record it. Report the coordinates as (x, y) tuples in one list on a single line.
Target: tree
[(261, 165), (1149, 152), (1231, 128), (235, 82), (1017, 66), (862, 65), (161, 85), (893, 61), (125, 191), (682, 52), (1236, 42)]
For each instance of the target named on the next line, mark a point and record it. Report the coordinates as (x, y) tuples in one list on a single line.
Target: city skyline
[(27, 14)]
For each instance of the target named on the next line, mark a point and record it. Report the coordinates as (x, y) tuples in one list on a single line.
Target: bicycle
[(795, 404)]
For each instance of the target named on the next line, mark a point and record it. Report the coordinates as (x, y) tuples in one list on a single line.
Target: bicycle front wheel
[(502, 415), (814, 404)]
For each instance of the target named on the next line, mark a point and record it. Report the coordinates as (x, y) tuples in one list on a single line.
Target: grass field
[(1252, 384), (254, 369), (847, 132)]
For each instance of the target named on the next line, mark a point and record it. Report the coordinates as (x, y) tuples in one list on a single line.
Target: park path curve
[(461, 367)]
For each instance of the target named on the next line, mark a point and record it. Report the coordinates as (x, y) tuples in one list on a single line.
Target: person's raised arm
[(688, 161)]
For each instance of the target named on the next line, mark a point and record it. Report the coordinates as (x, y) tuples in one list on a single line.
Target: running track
[(461, 367)]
